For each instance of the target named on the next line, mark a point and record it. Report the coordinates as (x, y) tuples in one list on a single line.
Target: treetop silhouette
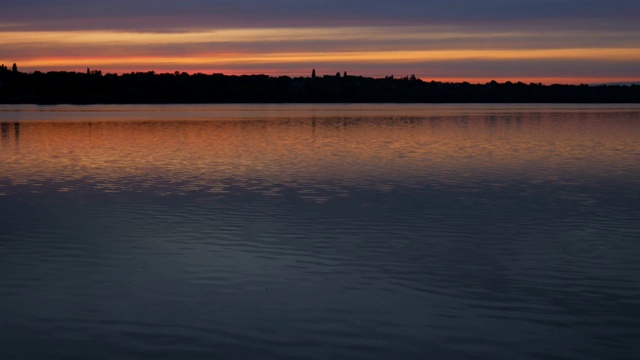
[(92, 87)]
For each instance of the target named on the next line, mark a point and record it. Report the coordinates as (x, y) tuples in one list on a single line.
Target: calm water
[(320, 232)]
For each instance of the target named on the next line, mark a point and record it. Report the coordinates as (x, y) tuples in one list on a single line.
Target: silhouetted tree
[(57, 87), (313, 73)]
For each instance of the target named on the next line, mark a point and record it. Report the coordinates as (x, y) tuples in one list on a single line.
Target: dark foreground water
[(320, 232)]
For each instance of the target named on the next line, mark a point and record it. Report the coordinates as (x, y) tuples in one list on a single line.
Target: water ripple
[(294, 232)]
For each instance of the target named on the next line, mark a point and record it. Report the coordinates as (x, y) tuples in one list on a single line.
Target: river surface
[(320, 232)]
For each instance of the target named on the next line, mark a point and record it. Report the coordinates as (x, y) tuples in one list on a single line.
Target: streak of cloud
[(580, 38)]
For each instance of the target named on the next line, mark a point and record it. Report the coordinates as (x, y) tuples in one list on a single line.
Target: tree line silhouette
[(92, 87)]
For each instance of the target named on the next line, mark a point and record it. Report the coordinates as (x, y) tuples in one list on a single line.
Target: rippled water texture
[(320, 232)]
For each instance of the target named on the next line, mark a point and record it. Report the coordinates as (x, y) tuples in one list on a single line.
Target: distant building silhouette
[(313, 73)]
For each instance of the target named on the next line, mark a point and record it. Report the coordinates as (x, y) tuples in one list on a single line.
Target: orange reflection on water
[(305, 148)]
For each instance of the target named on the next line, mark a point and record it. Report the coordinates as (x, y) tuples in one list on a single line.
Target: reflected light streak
[(203, 154)]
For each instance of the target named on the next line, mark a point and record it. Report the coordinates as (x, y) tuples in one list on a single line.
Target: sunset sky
[(564, 41)]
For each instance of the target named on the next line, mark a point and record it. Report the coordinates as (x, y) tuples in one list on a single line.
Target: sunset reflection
[(318, 149)]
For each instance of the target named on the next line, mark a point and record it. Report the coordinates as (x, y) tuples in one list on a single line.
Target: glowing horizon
[(300, 63), (374, 41)]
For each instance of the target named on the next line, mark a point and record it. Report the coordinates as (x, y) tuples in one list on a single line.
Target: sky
[(548, 41)]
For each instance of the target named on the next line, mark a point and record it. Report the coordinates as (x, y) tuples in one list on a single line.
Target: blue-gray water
[(320, 232)]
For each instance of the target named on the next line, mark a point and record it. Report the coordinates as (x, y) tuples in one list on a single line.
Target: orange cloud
[(348, 57), (398, 49)]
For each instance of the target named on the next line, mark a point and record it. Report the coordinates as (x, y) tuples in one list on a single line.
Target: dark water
[(320, 232)]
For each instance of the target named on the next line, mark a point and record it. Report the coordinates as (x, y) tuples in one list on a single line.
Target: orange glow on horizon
[(285, 51), (259, 63), (344, 57), (534, 80)]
